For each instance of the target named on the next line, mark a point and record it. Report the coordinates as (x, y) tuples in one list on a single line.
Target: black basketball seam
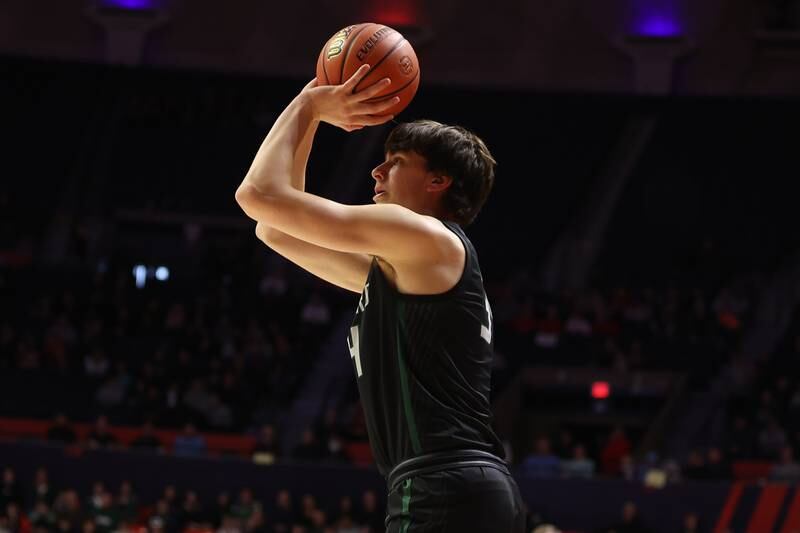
[(325, 72), (347, 52), (388, 95), (375, 66)]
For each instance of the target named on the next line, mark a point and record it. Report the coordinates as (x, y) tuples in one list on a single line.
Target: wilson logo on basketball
[(406, 66), (337, 42)]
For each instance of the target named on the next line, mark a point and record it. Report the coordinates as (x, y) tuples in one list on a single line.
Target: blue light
[(162, 273), (140, 275)]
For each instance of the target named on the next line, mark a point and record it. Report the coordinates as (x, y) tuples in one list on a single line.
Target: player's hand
[(340, 106)]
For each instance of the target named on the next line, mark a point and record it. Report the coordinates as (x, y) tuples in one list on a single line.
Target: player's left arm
[(386, 230), (266, 195)]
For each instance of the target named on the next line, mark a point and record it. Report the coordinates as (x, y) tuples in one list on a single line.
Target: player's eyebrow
[(394, 155)]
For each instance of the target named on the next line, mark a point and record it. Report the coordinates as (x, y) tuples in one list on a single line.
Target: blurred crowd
[(214, 355), (40, 507), (626, 329), (763, 421), (326, 441)]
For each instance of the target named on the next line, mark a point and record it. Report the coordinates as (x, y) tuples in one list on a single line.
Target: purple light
[(655, 18), (657, 25), (133, 5)]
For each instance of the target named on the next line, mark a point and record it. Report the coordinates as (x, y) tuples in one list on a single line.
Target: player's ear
[(439, 182)]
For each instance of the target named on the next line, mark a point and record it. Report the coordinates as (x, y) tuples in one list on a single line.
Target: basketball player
[(421, 341)]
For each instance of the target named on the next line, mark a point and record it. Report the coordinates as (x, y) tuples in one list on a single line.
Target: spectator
[(335, 452), (266, 450), (308, 449), (42, 517), (96, 364), (317, 519), (580, 466), (691, 524), (695, 466), (67, 509), (630, 523), (42, 491), (101, 436), (771, 439), (18, 522), (628, 469), (716, 466), (88, 526), (244, 507), (98, 495), (191, 514), (221, 508), (147, 439), (11, 489), (548, 329), (283, 516), (61, 431), (106, 516), (345, 521), (787, 469), (256, 523), (308, 505), (127, 503), (615, 449), (565, 445), (163, 519), (371, 517), (113, 390), (316, 312), (171, 497), (742, 439), (541, 463), (189, 443)]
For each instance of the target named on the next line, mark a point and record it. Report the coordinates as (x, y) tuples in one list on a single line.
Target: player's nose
[(379, 173)]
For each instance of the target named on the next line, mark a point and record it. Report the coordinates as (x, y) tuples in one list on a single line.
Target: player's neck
[(431, 210)]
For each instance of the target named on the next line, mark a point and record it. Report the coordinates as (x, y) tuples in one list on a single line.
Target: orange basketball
[(388, 53)]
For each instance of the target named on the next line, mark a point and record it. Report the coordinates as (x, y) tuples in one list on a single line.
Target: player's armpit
[(390, 231), (345, 270)]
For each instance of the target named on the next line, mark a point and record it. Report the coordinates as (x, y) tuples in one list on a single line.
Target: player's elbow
[(266, 234), (253, 203), (245, 197)]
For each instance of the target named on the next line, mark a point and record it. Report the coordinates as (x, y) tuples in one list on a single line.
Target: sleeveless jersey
[(423, 365)]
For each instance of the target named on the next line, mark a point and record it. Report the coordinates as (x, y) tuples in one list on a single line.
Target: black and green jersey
[(423, 365)]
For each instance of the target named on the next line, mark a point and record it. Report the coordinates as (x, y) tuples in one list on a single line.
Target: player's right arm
[(346, 270)]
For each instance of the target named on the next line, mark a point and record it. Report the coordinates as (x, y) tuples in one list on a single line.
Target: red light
[(600, 390), (395, 12)]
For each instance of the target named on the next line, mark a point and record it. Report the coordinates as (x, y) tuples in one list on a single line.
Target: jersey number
[(355, 351), (486, 331)]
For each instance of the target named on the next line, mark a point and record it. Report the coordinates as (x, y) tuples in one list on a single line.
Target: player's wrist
[(307, 104)]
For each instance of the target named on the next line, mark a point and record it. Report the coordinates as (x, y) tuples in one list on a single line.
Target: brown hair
[(453, 151)]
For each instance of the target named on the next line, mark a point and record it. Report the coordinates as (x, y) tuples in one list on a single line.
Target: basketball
[(387, 52)]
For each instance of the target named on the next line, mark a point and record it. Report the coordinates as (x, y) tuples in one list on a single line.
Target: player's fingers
[(351, 127), (311, 84), (351, 83), (376, 108), (373, 90)]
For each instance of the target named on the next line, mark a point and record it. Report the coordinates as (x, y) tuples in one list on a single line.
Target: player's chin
[(381, 198)]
